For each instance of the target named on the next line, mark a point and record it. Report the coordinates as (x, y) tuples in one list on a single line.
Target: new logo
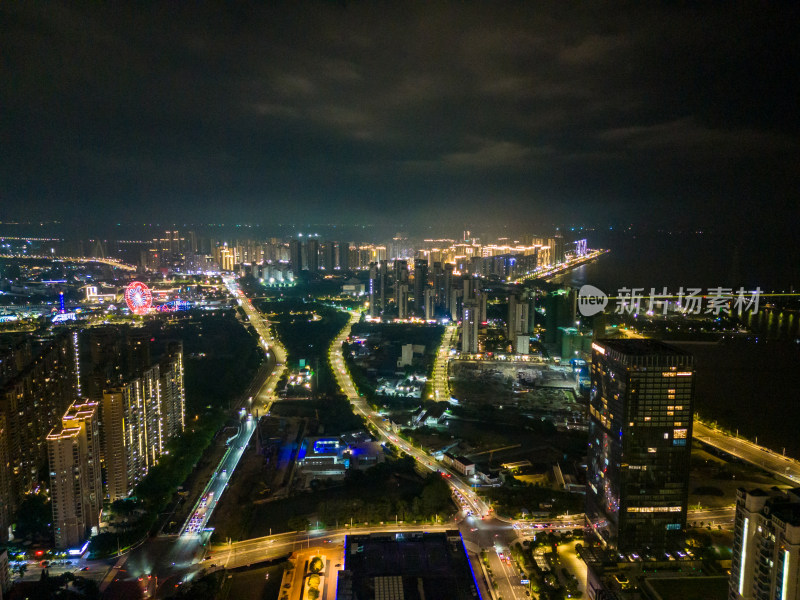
[(591, 300)]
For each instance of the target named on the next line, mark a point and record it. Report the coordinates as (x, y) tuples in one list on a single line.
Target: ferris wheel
[(138, 297)]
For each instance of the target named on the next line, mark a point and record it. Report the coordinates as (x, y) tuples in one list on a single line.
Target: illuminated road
[(777, 464), (201, 513), (196, 521), (551, 271), (268, 341), (361, 407), (441, 373), (712, 516), (505, 573), (531, 527), (187, 548), (79, 259), (263, 399), (247, 552), (34, 570)]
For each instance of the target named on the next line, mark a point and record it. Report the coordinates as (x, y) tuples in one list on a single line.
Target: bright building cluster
[(99, 437)]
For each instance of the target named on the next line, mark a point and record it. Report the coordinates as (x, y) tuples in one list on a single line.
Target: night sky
[(368, 112)]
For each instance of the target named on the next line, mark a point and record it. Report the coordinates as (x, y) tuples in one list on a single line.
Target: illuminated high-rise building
[(401, 300), (399, 247), (518, 316), (364, 256), (139, 418), (33, 397), (469, 327), (7, 500), (420, 283), (640, 432), (133, 433), (445, 287), (137, 351), (172, 391), (384, 275), (379, 253), (170, 248), (75, 480), (329, 256), (372, 284), (344, 256), (106, 346), (544, 256), (226, 257), (429, 304), (295, 256), (312, 254), (766, 546)]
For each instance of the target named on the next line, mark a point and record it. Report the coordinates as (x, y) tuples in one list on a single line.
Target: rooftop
[(785, 504), (789, 513), (662, 580), (643, 353), (688, 588), (433, 566), (642, 347)]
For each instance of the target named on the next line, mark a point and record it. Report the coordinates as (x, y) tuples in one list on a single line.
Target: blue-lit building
[(331, 458), (640, 436)]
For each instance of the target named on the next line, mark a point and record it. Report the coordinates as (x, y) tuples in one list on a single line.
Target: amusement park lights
[(139, 298)]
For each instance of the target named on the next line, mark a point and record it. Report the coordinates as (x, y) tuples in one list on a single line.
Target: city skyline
[(466, 365)]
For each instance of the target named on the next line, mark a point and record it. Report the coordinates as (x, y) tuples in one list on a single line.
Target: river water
[(696, 259)]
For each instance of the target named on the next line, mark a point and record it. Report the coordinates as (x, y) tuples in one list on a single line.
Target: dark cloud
[(366, 111)]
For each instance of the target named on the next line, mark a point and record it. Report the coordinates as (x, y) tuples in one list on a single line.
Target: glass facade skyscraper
[(640, 435)]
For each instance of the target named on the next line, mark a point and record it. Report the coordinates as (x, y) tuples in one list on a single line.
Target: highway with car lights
[(778, 465)]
